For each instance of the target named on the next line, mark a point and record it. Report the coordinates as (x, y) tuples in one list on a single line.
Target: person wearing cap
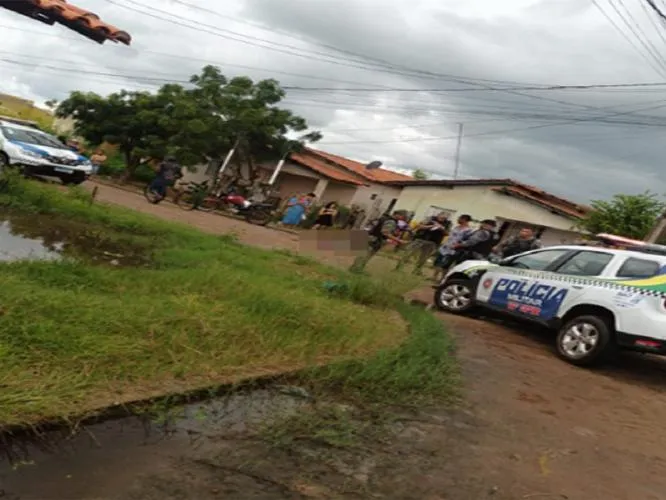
[(382, 231), (478, 244)]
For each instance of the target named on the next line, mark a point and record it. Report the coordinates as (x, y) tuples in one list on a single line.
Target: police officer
[(382, 231)]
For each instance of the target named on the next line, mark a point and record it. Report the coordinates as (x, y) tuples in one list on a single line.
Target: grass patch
[(76, 337), (420, 372)]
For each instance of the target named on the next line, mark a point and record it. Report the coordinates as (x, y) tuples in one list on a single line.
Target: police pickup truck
[(599, 300)]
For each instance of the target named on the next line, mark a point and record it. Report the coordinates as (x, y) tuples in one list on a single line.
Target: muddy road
[(531, 427)]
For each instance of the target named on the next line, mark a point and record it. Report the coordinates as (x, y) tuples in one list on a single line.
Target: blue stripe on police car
[(526, 297)]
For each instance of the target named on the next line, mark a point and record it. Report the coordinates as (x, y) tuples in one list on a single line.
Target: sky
[(391, 80)]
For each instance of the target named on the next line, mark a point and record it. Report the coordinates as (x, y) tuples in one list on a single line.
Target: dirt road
[(247, 233), (532, 427)]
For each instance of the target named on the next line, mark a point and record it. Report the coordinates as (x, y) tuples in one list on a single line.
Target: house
[(512, 204), (330, 177)]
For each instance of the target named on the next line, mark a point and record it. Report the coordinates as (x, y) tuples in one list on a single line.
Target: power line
[(656, 9), (549, 88), (503, 111), (652, 21), (627, 38), (163, 77), (504, 131), (339, 62), (648, 48), (334, 48)]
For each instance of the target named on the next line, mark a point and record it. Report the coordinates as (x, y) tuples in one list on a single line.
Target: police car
[(38, 153), (599, 300)]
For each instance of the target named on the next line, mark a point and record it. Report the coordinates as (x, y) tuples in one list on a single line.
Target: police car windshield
[(31, 137)]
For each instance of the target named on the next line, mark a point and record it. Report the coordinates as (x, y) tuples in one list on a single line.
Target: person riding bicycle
[(168, 171)]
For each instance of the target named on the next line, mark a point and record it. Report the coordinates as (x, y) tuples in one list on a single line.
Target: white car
[(38, 153), (599, 300)]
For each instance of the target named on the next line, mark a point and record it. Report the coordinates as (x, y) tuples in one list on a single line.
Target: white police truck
[(599, 300), (38, 153)]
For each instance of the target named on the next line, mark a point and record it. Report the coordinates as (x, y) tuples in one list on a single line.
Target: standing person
[(168, 171), (381, 232), (98, 160), (297, 208), (524, 242), (446, 252), (327, 215), (427, 238), (477, 244)]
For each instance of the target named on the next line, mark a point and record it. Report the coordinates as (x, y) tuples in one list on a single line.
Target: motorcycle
[(198, 197)]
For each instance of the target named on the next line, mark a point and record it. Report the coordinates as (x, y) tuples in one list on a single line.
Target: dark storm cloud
[(547, 42)]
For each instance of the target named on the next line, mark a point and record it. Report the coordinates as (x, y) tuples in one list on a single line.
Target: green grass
[(420, 372), (75, 337)]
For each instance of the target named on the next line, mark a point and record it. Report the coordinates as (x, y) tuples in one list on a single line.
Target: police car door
[(525, 285)]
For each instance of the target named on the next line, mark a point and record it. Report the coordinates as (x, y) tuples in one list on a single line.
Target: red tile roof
[(379, 175), (513, 188), (75, 18), (546, 200), (322, 168)]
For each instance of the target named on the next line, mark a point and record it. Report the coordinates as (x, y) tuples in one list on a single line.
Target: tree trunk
[(130, 166)]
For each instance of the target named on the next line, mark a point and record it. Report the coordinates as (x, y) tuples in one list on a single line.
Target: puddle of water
[(95, 461), (43, 237), (15, 246)]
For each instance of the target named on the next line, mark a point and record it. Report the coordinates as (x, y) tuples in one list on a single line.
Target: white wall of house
[(549, 236), (481, 202), (375, 197)]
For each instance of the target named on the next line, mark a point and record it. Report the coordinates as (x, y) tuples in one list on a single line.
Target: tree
[(244, 113), (194, 124), (420, 174), (137, 122), (632, 216)]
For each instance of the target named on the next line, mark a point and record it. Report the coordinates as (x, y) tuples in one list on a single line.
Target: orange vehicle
[(75, 18)]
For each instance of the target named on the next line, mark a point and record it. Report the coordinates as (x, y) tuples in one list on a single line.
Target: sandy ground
[(531, 427)]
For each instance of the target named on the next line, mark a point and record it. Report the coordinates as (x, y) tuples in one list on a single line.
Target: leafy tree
[(420, 174), (194, 124), (632, 216), (244, 113)]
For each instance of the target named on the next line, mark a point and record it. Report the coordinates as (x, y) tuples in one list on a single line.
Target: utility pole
[(658, 230), (458, 146)]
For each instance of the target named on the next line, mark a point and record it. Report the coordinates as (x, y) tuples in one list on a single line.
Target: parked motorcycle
[(197, 196)]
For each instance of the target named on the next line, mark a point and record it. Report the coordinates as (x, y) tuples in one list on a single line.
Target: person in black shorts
[(327, 215)]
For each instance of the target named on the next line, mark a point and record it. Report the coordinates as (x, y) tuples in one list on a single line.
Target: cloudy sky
[(392, 79)]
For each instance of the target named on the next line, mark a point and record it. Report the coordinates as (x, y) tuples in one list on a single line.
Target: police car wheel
[(4, 160), (455, 296), (585, 341)]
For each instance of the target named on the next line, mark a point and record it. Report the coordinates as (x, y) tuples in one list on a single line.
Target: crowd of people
[(437, 237)]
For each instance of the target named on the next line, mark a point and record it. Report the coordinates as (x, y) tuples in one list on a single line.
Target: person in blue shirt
[(167, 173)]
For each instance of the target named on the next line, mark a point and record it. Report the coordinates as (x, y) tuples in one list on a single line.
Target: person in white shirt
[(446, 252)]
